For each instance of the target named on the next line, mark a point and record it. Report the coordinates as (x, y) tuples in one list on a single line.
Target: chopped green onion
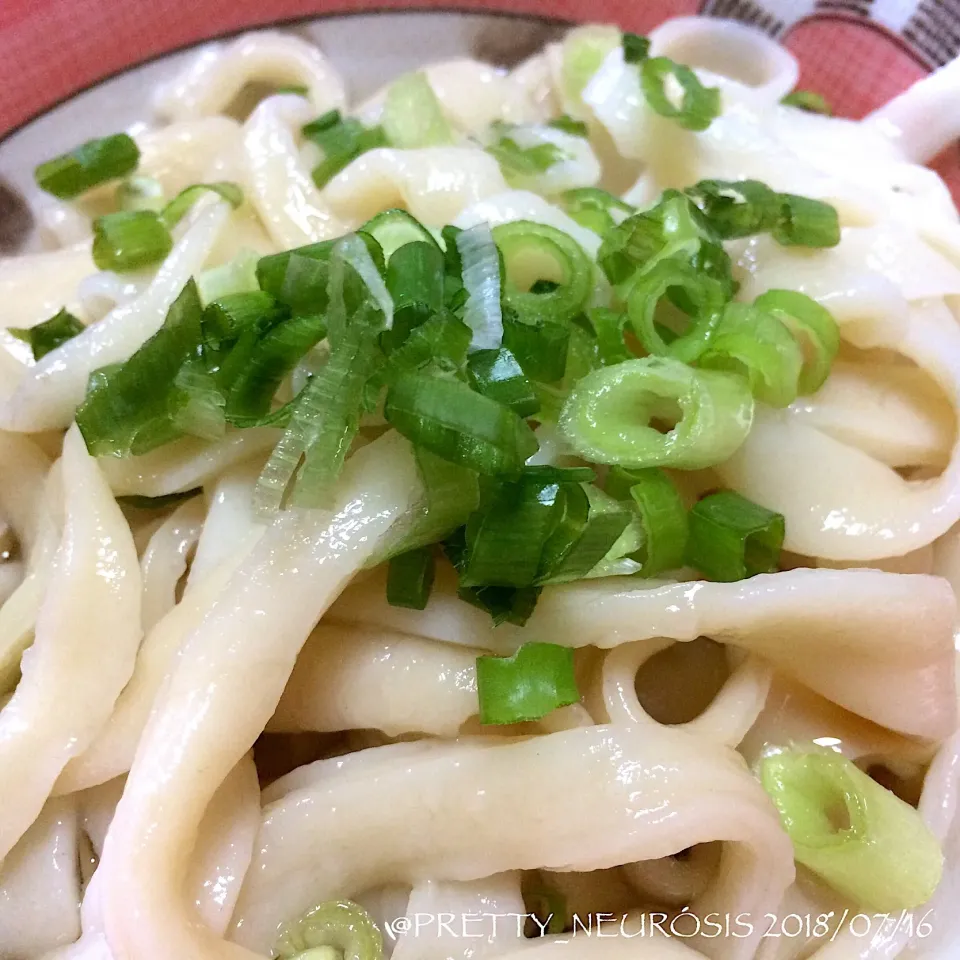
[(129, 241), (410, 578), (636, 49), (673, 229), (88, 165), (663, 519), (702, 294), (452, 493), (738, 208), (126, 409), (415, 277), (196, 403), (296, 89), (857, 836), (814, 329), (534, 251), (566, 124), (732, 538), (274, 355), (341, 925), (606, 418), (140, 193), (505, 539), (809, 101), (804, 222), (451, 420), (323, 423), (441, 343), (496, 374), (591, 207), (180, 205), (583, 51), (518, 163), (608, 326), (541, 347), (590, 523), (238, 275), (754, 343), (47, 336), (393, 229), (481, 279), (341, 140), (700, 105), (412, 115), (356, 281), (535, 681), (300, 277)]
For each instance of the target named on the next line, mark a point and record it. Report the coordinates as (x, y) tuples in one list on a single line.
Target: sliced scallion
[(754, 343), (732, 538), (857, 836), (458, 424), (410, 578), (535, 681), (341, 925), (814, 329), (180, 205), (534, 251), (636, 49), (809, 101), (130, 240), (663, 519), (804, 222), (738, 208), (412, 115), (607, 416), (594, 208), (50, 334), (88, 165), (498, 375), (700, 105), (341, 140), (481, 280)]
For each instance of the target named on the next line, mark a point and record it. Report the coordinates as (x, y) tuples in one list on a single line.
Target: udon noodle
[(213, 720)]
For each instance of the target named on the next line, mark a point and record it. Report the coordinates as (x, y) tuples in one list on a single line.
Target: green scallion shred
[(538, 679), (341, 139), (854, 834), (88, 165), (412, 115), (732, 538), (809, 101), (410, 578), (50, 334), (636, 49), (700, 105), (127, 241)]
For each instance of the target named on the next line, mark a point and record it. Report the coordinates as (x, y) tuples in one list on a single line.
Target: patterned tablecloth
[(858, 52)]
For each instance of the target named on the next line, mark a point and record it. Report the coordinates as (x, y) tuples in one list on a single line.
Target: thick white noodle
[(226, 684), (922, 120), (433, 183), (220, 71), (838, 502), (879, 644), (523, 205), (579, 800), (351, 678), (165, 560), (726, 720), (88, 630), (52, 389), (731, 50), (40, 885), (185, 464), (281, 188), (33, 287)]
